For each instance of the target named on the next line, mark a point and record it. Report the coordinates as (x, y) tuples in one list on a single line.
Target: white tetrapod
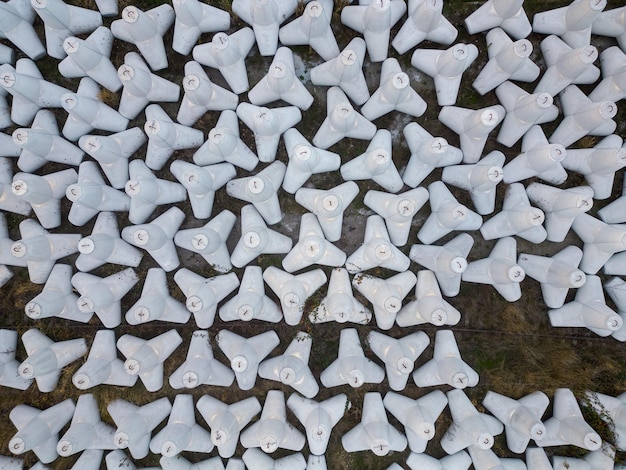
[(6, 256), (345, 71), (194, 18), (255, 459), (448, 262), (223, 144), (9, 376), (517, 218), (57, 298), (305, 160), (265, 17), (62, 20), (560, 206), (556, 274), (102, 365), (613, 84), (427, 153), (376, 250), (17, 27), (113, 151), (156, 303), (86, 112), (458, 461), (588, 310), (281, 83), (582, 116), (398, 354), (599, 164), (479, 179), (508, 60), (499, 269), (375, 163), (472, 126), (245, 354), (341, 121), (312, 29), (446, 366), (257, 238), (44, 193), (386, 295), (104, 245), (339, 304), (91, 195), (486, 459), (374, 433), (145, 357), (250, 302), (46, 358), (90, 459), (595, 460), (312, 248), (38, 430), (539, 158), (292, 367), (157, 237), (374, 21), (316, 462), (145, 29), (567, 425), (227, 421), (417, 416), (90, 57), (611, 410), (179, 462), (181, 433), (447, 215), (293, 291), (398, 210), (521, 417), (505, 14), (523, 112), (328, 205), (268, 125), (39, 250), (351, 366), (393, 94), (600, 241), (41, 143), (429, 306), (469, 427), (611, 23), (446, 68), (86, 430), (102, 296), (536, 459), (203, 294), (566, 66), (227, 53), (615, 288), (272, 431), (572, 22), (261, 190), (425, 22), (209, 241), (136, 423), (107, 7), (142, 87), (10, 147), (202, 95), (318, 418), (165, 137), (200, 367), (146, 191)]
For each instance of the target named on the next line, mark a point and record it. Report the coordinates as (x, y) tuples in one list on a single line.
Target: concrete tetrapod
[(458, 461), (312, 29), (613, 84), (9, 202), (255, 459), (486, 459), (611, 23), (17, 27), (194, 18), (145, 357), (200, 367), (37, 430), (227, 421), (57, 298), (374, 432), (536, 459), (417, 416), (600, 241), (6, 257), (340, 305), (425, 22), (156, 303), (398, 354), (9, 376), (508, 15), (595, 460), (572, 22), (318, 418), (181, 463), (446, 366), (250, 302), (611, 410), (47, 358), (90, 459), (615, 288)]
